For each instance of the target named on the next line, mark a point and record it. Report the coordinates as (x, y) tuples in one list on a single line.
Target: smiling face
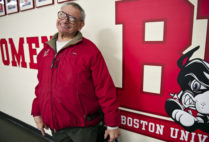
[(67, 28), (195, 95)]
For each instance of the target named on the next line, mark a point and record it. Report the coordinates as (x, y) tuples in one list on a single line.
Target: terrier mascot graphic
[(190, 107)]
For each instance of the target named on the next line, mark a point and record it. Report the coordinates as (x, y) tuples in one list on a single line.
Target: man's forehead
[(73, 11), (70, 8)]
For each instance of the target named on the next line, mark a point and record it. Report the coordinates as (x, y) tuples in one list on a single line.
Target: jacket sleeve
[(35, 105), (105, 91)]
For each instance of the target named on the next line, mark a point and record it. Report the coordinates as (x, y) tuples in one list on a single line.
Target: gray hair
[(77, 6)]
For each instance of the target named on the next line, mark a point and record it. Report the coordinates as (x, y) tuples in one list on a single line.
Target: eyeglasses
[(62, 15)]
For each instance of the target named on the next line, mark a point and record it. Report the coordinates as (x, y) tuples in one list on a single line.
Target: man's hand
[(113, 134), (40, 125)]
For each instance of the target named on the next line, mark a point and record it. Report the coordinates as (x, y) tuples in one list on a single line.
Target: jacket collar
[(75, 40)]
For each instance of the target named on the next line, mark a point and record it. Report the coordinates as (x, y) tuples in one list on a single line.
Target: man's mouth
[(65, 26)]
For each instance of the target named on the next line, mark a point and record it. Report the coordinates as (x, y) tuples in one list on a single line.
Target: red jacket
[(73, 85)]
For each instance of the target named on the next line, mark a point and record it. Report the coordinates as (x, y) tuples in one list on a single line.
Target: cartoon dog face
[(193, 79), (194, 82)]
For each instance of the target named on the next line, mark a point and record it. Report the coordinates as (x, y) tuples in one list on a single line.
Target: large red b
[(177, 16)]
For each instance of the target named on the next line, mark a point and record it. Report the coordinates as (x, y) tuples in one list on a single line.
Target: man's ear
[(82, 24)]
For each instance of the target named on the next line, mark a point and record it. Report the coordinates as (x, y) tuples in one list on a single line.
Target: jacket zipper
[(53, 61), (51, 100), (53, 65)]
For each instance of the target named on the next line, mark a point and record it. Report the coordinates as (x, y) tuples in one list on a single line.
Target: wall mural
[(190, 107), (165, 68)]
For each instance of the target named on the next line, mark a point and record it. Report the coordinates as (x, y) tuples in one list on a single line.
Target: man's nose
[(66, 20)]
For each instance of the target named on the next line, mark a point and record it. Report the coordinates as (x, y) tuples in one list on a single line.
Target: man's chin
[(64, 33)]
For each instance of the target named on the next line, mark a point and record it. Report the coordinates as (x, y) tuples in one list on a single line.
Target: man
[(74, 84)]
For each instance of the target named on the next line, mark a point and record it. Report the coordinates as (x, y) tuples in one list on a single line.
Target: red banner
[(159, 128)]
